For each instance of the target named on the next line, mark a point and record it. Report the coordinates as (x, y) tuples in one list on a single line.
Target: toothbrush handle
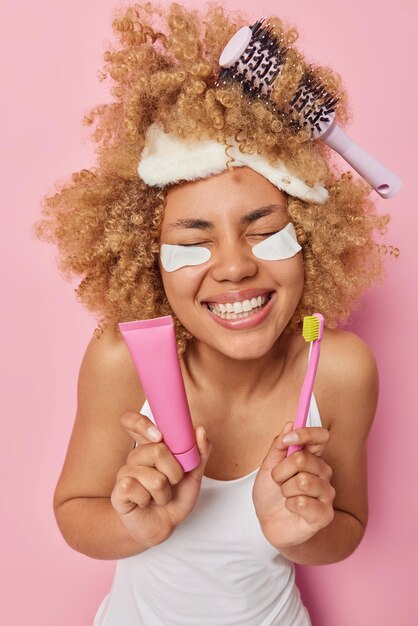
[(306, 393), (383, 180)]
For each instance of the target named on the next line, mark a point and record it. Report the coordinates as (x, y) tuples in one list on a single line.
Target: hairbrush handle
[(306, 393), (383, 180)]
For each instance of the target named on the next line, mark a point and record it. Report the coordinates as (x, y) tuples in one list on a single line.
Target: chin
[(240, 350)]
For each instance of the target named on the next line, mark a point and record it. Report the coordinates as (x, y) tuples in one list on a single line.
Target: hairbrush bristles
[(257, 67), (312, 106), (255, 58)]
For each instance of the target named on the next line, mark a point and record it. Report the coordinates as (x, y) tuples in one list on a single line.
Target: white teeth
[(235, 310)]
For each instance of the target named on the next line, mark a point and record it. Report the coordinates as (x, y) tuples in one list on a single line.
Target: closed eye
[(264, 234), (201, 243), (187, 245)]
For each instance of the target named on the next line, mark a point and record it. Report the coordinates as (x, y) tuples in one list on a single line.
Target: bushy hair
[(106, 222)]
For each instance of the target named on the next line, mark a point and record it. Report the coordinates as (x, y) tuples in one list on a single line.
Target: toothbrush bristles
[(310, 330)]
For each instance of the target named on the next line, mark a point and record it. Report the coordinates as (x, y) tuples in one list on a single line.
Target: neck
[(232, 379)]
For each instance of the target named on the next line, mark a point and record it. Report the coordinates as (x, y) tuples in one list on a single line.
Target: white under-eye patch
[(277, 247), (282, 245), (175, 257)]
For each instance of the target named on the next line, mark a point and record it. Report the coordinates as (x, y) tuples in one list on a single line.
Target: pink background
[(49, 65)]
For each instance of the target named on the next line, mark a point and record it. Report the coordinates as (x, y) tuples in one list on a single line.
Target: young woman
[(216, 545)]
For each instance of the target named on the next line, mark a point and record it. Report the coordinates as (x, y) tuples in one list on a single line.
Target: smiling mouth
[(224, 311)]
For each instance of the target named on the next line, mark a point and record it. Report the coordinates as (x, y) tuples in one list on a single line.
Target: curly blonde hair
[(106, 221)]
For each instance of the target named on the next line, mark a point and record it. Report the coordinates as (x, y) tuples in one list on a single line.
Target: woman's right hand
[(152, 493)]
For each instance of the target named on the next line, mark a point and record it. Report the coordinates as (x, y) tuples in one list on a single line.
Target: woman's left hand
[(293, 495)]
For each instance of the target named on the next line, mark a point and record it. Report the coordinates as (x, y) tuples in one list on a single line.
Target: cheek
[(289, 272), (182, 282)]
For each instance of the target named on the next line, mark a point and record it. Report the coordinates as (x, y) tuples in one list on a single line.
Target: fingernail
[(290, 438), (153, 433)]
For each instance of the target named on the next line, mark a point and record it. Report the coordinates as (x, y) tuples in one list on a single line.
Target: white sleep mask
[(166, 159), (279, 246)]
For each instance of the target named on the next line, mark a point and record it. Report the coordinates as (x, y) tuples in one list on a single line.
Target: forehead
[(227, 195)]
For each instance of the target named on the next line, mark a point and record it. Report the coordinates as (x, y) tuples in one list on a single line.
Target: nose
[(233, 261)]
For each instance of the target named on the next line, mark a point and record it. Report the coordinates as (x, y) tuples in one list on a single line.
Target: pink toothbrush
[(313, 331)]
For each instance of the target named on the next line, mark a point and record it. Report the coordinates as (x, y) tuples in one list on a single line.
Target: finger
[(312, 438), (127, 494), (316, 513), (305, 484), (156, 483), (140, 427), (301, 461), (205, 448), (277, 451), (155, 455)]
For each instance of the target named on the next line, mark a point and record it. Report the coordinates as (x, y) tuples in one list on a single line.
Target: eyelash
[(200, 243)]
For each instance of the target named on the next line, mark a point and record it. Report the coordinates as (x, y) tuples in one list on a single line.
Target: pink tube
[(152, 346)]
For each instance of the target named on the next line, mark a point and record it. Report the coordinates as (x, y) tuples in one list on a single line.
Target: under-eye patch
[(175, 257), (282, 245)]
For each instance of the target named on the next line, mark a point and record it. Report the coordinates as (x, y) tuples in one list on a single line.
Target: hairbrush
[(255, 57)]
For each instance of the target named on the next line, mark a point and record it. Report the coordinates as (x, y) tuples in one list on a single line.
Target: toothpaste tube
[(152, 346)]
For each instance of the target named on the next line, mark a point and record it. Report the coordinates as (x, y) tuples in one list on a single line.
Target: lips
[(244, 323)]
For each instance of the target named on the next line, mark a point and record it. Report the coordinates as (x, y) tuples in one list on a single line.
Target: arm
[(108, 386), (348, 385), (333, 543), (91, 525)]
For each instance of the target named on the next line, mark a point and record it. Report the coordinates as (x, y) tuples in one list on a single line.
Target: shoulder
[(107, 365), (347, 379), (105, 354), (345, 355)]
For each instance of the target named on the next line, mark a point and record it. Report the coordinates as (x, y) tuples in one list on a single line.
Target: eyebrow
[(248, 218)]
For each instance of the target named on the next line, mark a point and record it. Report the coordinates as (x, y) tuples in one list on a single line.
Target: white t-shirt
[(216, 569)]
